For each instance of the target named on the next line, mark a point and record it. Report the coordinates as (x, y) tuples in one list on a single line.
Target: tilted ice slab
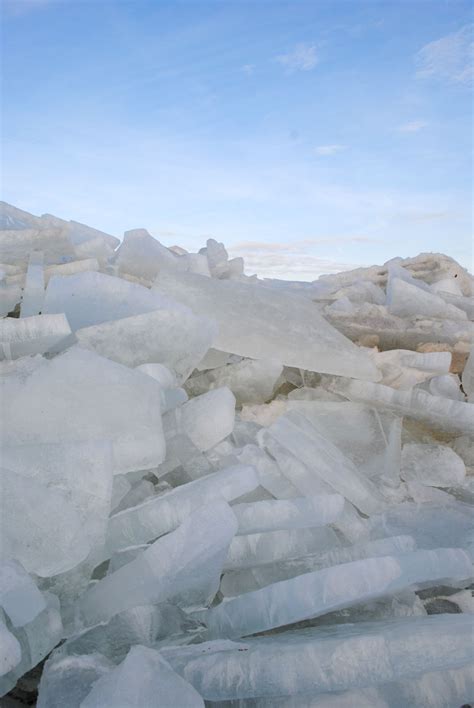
[(433, 465), (71, 268), (257, 548), (318, 660), (205, 420), (299, 513), (407, 300), (257, 322), (17, 244), (295, 432), (80, 471), (236, 582), (19, 596), (79, 395), (31, 335), (33, 293), (143, 678), (164, 513), (185, 565), (67, 680), (402, 369), (143, 256), (441, 413), (10, 650), (317, 593), (39, 527), (92, 298), (176, 338)]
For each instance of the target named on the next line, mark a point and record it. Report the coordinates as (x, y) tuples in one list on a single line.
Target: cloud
[(329, 149), (287, 266), (302, 58), (248, 69), (412, 127), (296, 246), (449, 58)]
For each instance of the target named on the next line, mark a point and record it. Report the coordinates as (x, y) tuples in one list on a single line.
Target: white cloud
[(302, 58), (449, 58), (413, 126), (329, 149), (248, 69)]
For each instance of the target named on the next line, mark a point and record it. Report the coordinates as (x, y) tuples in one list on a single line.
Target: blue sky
[(307, 136)]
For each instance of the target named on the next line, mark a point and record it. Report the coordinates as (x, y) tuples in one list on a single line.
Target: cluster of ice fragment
[(222, 491)]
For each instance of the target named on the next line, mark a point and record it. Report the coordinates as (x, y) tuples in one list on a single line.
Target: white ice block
[(250, 381), (164, 513), (315, 661), (33, 293), (79, 396), (10, 650), (31, 335), (317, 593), (143, 679), (407, 300), (257, 322), (67, 680), (175, 338), (433, 465), (183, 566), (209, 418), (299, 513), (19, 595), (91, 298)]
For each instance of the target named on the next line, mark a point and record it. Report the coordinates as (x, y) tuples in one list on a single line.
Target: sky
[(309, 137)]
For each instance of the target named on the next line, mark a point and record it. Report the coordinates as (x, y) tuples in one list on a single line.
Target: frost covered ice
[(223, 491)]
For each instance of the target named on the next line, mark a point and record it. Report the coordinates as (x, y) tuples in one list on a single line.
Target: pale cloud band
[(449, 58)]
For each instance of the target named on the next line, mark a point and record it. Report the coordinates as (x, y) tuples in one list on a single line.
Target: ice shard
[(31, 335), (257, 322)]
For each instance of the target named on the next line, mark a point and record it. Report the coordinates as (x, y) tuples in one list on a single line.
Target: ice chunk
[(39, 526), (324, 459), (10, 650), (447, 386), (271, 546), (257, 322), (250, 381), (317, 593), (297, 513), (433, 465), (33, 294), (19, 596), (67, 680), (71, 268), (315, 661), (184, 565), (144, 678), (164, 513), (440, 413), (175, 338), (31, 335), (209, 418), (246, 580), (407, 300), (143, 256), (371, 439), (10, 296), (92, 298), (53, 241), (402, 369), (82, 396)]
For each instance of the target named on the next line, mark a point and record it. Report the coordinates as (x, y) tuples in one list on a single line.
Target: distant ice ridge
[(217, 490)]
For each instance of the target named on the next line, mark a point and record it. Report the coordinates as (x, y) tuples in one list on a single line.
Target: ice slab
[(19, 595), (143, 678), (299, 513), (402, 369), (185, 566), (324, 459), (175, 338), (318, 660), (257, 322), (39, 527), (33, 293), (53, 241), (143, 256), (236, 582), (209, 418), (440, 413), (79, 396), (164, 513), (71, 268), (10, 650), (31, 335), (250, 381), (10, 296), (67, 680), (317, 593), (433, 465), (92, 298), (407, 300)]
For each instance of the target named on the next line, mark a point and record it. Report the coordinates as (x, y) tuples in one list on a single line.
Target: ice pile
[(222, 491)]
